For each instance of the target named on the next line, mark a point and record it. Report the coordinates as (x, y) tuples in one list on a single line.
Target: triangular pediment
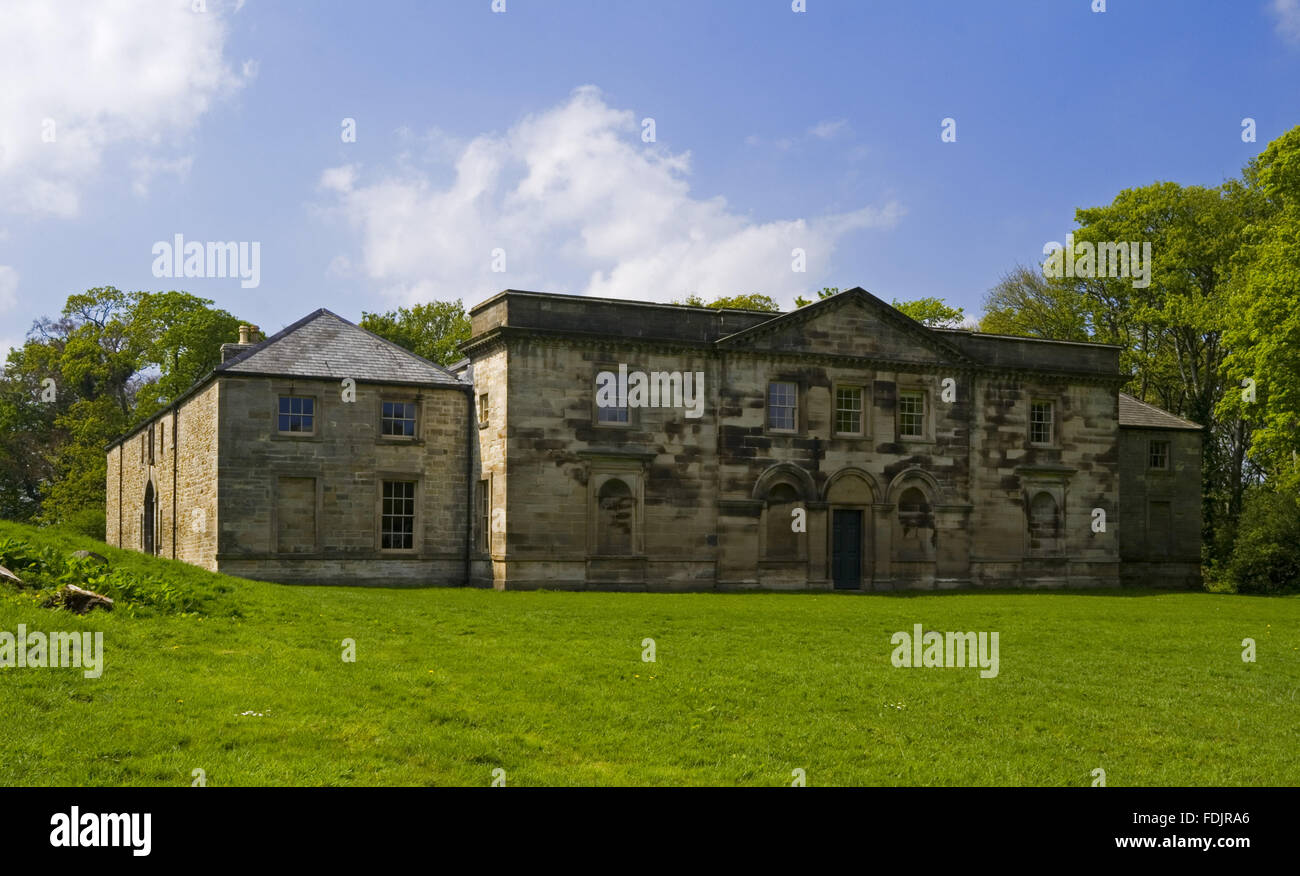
[(853, 323)]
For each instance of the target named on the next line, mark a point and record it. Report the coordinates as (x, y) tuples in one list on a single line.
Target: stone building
[(841, 445), (322, 454), (603, 444)]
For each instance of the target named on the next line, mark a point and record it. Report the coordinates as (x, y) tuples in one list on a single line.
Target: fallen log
[(80, 600)]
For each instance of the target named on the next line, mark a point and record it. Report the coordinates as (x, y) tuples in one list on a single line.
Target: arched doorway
[(850, 495), (147, 521)]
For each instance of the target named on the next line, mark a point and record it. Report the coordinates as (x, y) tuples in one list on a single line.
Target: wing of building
[(606, 444)]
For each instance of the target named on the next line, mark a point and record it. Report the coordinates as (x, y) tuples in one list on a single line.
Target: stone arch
[(780, 541), (785, 473), (852, 472), (914, 493), (616, 525), (909, 478)]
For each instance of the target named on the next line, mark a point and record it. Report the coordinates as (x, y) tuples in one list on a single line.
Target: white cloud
[(828, 129), (147, 167), (578, 204), (1287, 13), (82, 77), (8, 288)]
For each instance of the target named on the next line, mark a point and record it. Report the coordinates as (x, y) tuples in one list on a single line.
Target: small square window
[(297, 414), (848, 410), (783, 406), (911, 414), (1158, 455), (1040, 422), (397, 517), (398, 418)]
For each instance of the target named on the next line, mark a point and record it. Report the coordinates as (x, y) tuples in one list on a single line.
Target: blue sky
[(484, 136)]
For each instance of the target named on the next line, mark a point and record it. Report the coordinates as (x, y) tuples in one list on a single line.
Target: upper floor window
[(608, 410), (782, 406), (397, 418), (297, 414), (151, 440), (1158, 455), (848, 410), (911, 414), (483, 409), (1040, 422)]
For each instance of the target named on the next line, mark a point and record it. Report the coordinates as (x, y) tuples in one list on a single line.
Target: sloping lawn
[(450, 684)]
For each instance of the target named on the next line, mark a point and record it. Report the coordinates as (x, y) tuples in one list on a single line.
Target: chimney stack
[(248, 338)]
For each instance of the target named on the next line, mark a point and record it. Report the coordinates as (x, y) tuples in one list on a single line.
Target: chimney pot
[(244, 331)]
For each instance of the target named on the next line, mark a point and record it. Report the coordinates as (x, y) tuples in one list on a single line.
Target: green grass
[(450, 684)]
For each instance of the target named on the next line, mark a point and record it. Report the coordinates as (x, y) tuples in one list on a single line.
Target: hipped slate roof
[(1140, 415), (324, 344)]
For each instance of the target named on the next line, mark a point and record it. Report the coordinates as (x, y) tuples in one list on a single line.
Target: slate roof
[(1140, 415), (324, 344)]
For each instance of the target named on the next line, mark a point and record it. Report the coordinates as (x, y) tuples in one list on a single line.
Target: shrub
[(90, 522), (1266, 555)]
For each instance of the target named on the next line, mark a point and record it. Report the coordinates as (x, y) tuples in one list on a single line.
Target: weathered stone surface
[(700, 490), (522, 484)]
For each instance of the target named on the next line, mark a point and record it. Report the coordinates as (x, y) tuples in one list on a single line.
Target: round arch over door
[(850, 495)]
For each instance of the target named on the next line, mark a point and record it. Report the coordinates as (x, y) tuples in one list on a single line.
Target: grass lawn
[(450, 684)]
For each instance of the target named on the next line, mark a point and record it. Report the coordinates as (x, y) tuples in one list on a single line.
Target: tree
[(434, 330), (826, 292), (108, 360), (752, 301), (933, 312), (1026, 303)]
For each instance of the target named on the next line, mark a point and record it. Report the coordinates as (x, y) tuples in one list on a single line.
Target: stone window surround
[(633, 414), (864, 410), (1058, 488), (1055, 442), (927, 415), (1168, 455), (418, 525), (630, 470), (482, 404), (291, 390), (800, 413), (483, 502), (404, 398)]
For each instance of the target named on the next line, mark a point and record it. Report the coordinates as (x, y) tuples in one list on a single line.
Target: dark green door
[(846, 549)]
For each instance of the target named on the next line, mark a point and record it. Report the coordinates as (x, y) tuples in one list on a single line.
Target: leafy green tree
[(1262, 328), (434, 330), (824, 293), (1028, 304), (933, 312), (180, 335), (110, 359), (752, 301)]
